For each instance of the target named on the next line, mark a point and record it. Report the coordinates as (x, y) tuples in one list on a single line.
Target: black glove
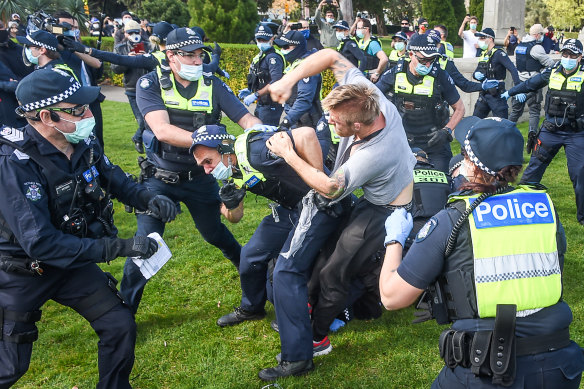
[(531, 140), (217, 50), (439, 137), (284, 125), (71, 44), (422, 313), (138, 246), (163, 208), (231, 196)]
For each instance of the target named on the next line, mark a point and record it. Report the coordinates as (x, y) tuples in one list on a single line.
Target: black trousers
[(358, 241)]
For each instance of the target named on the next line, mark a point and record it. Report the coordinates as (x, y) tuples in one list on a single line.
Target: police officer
[(303, 107), (171, 116), (399, 40), (530, 59), (248, 161), (376, 58), (266, 67), (564, 120), (348, 46), (57, 225), (419, 87), (493, 64), (495, 256), (446, 48)]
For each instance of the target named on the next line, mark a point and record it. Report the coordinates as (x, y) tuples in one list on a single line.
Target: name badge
[(430, 176), (200, 103), (252, 181), (519, 209)]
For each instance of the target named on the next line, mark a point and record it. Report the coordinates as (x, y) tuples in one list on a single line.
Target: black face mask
[(3, 37), (405, 29)]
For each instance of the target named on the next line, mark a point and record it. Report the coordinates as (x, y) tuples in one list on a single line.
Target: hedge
[(235, 59)]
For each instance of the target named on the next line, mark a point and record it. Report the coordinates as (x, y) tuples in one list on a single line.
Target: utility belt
[(495, 91), (148, 170), (23, 266), (566, 125), (493, 353), (21, 317)]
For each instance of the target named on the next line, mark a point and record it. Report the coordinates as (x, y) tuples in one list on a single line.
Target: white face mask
[(222, 172), (190, 72), (340, 35), (134, 38)]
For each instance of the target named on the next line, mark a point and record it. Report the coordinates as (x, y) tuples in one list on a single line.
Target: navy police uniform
[(563, 124), (172, 170), (55, 226), (349, 48), (421, 103)]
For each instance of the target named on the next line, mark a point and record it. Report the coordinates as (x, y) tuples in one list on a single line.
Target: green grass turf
[(179, 345)]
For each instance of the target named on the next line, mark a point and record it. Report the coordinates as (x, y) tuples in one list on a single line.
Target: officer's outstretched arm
[(89, 60), (159, 122), (312, 65)]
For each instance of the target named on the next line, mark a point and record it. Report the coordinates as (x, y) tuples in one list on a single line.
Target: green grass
[(179, 345)]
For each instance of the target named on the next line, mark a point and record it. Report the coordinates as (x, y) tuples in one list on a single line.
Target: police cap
[(491, 143), (425, 45), (342, 25), (46, 87), (292, 37), (401, 35), (39, 38), (184, 39), (574, 45), (162, 29), (263, 31), (210, 135), (486, 33)]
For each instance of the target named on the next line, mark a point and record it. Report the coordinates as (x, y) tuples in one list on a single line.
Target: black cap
[(341, 24), (491, 143), (486, 33), (162, 29), (39, 38), (435, 35), (401, 35), (46, 87), (424, 44), (264, 32), (574, 45), (422, 20), (184, 39), (291, 38)]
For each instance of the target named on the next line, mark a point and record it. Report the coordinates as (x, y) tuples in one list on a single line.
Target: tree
[(536, 12), (440, 12), (459, 10), (171, 11), (264, 5), (477, 8), (230, 21), (566, 13)]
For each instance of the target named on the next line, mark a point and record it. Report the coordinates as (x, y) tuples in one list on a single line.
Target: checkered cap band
[(290, 41), (484, 34), (472, 156), (51, 100), (176, 46), (263, 34), (206, 137), (40, 44), (426, 49)]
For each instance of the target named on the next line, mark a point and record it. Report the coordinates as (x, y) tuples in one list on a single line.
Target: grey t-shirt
[(383, 165)]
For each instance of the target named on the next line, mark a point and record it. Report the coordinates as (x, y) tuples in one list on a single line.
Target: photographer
[(327, 32), (511, 41)]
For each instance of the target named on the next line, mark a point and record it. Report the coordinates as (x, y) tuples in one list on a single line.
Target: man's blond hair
[(354, 103)]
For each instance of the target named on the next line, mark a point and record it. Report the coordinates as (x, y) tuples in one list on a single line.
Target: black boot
[(285, 369), (239, 315)]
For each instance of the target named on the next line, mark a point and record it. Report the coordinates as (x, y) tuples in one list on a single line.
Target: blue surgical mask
[(285, 51), (31, 58), (360, 34), (82, 131), (222, 172), (69, 33), (190, 72), (473, 26), (264, 46), (399, 46), (422, 70), (330, 20), (340, 35), (305, 33), (483, 45), (539, 39), (569, 63)]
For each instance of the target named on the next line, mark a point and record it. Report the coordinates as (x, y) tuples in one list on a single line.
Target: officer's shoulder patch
[(12, 134), (20, 155), (272, 61), (426, 229), (32, 191), (353, 44), (145, 83), (306, 80), (503, 54), (227, 87), (147, 55)]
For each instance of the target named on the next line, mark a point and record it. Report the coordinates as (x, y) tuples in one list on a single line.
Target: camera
[(41, 20), (512, 29), (329, 1), (295, 26), (358, 14)]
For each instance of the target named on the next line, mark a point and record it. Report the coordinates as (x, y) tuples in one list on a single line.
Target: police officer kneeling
[(56, 225), (496, 253)]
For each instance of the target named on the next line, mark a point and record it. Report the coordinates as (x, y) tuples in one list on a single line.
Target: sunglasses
[(405, 24), (424, 61), (77, 111), (186, 54)]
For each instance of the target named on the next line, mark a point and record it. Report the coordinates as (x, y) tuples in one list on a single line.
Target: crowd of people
[(454, 233)]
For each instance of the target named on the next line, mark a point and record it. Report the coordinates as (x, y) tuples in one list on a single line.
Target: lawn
[(179, 345)]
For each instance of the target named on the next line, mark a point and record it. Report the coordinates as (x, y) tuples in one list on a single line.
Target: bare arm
[(461, 29), (89, 60), (233, 215), (313, 64), (159, 122), (383, 60), (457, 115), (394, 291), (248, 121)]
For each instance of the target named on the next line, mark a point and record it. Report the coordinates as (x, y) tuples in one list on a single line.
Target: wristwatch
[(391, 242)]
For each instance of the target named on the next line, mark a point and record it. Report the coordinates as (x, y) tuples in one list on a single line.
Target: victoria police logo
[(145, 83), (272, 61), (426, 229), (33, 191)]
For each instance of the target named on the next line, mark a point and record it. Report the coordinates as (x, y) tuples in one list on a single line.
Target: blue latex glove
[(250, 99), (521, 97), (398, 226), (505, 95), (479, 76), (262, 128), (336, 325), (488, 84), (243, 93), (225, 74)]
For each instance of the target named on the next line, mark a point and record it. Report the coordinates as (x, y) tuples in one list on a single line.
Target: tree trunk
[(347, 9), (381, 31)]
